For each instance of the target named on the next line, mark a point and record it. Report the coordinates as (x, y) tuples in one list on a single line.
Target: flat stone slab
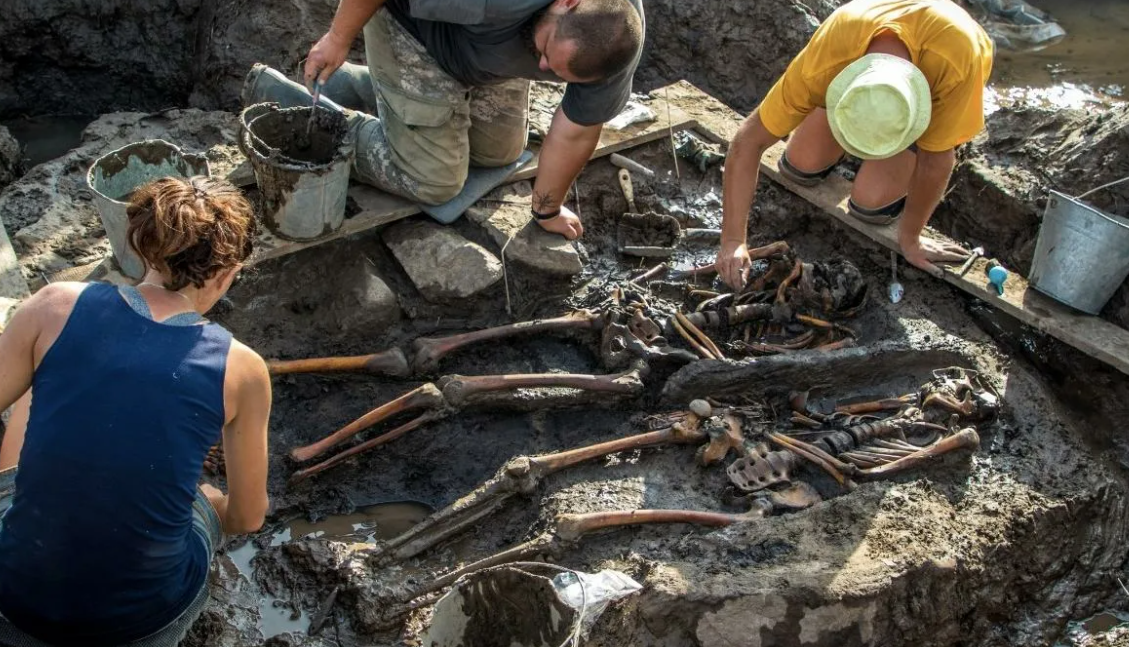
[(441, 263), (504, 214)]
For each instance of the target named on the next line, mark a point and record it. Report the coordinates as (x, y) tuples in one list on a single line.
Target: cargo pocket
[(414, 110), (428, 137)]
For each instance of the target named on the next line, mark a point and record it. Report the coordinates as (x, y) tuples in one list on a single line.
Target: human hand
[(324, 58), (922, 253), (566, 224), (733, 263)]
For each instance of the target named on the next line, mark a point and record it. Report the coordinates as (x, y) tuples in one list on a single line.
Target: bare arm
[(17, 366), (248, 393), (566, 150), (739, 188), (926, 188), (331, 49)]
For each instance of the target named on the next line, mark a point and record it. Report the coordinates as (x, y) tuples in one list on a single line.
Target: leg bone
[(390, 362), (429, 350), (424, 397)]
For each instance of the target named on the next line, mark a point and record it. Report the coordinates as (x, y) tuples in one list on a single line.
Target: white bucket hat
[(878, 106)]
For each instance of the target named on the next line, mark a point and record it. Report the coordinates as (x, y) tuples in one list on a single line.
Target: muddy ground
[(1007, 546), (958, 553)]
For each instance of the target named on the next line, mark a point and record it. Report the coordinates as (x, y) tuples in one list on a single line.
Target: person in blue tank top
[(105, 538)]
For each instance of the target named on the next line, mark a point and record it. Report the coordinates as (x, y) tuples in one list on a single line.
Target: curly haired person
[(105, 538)]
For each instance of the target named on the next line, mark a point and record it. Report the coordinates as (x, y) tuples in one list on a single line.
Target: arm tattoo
[(542, 201)]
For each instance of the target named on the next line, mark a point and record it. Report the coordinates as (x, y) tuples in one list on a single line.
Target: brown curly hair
[(190, 229)]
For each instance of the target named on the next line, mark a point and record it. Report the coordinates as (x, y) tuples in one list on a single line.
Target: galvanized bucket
[(303, 181), (115, 176), (1082, 255)]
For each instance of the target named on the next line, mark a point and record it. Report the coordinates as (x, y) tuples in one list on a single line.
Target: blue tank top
[(96, 548)]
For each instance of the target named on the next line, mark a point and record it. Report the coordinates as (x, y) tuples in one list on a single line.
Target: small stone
[(505, 215), (366, 302), (701, 408), (441, 263)]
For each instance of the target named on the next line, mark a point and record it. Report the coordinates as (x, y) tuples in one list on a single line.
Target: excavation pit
[(847, 570), (1002, 546)]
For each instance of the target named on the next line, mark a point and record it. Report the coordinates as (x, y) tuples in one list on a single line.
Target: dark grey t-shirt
[(480, 42)]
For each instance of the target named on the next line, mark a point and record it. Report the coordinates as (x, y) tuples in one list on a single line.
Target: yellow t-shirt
[(944, 42)]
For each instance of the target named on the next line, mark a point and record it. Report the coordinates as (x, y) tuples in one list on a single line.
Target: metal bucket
[(303, 182), (115, 176), (1082, 255)]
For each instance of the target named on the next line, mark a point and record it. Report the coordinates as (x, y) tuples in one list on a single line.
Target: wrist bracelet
[(545, 216)]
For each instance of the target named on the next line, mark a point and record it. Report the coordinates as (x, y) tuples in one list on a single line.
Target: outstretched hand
[(566, 224), (923, 252), (325, 57), (733, 264)]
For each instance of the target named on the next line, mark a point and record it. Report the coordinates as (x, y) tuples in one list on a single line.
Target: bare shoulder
[(52, 303), (245, 364)]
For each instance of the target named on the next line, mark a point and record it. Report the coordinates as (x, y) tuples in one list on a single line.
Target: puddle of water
[(46, 138), (1088, 65), (367, 525)]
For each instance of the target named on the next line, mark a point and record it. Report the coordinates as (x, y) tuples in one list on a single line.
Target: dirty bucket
[(303, 181), (1082, 255), (116, 175), (532, 604)]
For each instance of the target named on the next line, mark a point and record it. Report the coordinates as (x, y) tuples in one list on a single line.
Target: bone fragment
[(382, 439), (520, 475), (699, 335), (964, 439), (457, 389), (430, 350), (423, 397), (390, 362), (676, 323)]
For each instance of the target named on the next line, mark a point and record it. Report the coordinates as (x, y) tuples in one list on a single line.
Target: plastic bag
[(590, 594)]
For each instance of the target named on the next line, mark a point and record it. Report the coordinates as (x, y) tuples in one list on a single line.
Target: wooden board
[(379, 208), (12, 283), (1092, 335)]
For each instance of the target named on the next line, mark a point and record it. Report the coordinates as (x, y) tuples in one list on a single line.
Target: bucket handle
[(1104, 186), (246, 135)]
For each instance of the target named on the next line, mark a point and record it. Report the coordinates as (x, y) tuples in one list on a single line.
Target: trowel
[(304, 142), (896, 289), (645, 234)]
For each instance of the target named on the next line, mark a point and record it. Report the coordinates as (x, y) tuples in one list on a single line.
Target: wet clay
[(285, 132)]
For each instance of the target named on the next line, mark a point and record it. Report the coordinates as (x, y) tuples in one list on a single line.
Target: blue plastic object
[(996, 278)]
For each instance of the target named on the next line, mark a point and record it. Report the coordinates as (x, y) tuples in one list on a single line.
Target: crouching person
[(105, 538)]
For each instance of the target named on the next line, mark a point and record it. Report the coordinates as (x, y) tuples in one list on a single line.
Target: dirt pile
[(80, 57), (733, 50)]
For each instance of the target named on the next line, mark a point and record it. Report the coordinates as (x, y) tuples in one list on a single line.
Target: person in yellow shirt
[(896, 83)]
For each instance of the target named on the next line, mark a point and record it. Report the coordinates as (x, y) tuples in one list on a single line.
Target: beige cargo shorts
[(434, 127)]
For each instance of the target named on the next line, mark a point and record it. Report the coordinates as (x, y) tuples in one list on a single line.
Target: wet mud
[(1020, 542), (860, 556)]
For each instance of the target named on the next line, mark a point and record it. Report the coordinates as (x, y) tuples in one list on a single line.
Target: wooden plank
[(379, 208), (1092, 335), (12, 283), (614, 141)]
